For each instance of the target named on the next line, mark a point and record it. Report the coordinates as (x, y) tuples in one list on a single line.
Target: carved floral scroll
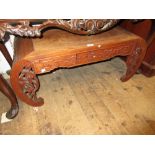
[(79, 26)]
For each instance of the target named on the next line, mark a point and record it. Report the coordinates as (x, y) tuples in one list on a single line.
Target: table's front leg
[(8, 92), (25, 83)]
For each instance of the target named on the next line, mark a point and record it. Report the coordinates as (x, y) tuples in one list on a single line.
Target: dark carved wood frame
[(79, 26)]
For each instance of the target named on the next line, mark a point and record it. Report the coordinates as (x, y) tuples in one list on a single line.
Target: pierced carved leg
[(134, 61), (25, 83)]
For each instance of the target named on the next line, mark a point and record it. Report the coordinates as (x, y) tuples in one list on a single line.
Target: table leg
[(134, 60), (25, 83)]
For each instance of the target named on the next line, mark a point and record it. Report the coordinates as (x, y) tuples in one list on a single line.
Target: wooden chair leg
[(6, 54), (7, 91), (5, 88)]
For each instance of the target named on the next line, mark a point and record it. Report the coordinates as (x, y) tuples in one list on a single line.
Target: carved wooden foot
[(25, 83), (7, 91), (134, 60)]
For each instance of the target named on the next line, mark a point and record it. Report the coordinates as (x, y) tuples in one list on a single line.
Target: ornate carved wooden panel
[(78, 26)]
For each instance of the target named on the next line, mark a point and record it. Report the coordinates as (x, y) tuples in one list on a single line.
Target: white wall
[(4, 66)]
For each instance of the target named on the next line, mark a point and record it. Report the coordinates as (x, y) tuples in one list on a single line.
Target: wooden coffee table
[(65, 44)]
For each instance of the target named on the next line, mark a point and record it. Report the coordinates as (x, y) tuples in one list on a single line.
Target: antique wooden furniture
[(6, 89), (146, 30), (148, 65), (57, 48)]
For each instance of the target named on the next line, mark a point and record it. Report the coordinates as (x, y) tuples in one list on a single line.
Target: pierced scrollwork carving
[(22, 29), (92, 26), (29, 83), (28, 28), (78, 26), (84, 26)]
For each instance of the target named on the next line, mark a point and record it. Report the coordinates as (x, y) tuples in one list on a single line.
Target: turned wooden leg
[(134, 60), (7, 91), (25, 83)]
